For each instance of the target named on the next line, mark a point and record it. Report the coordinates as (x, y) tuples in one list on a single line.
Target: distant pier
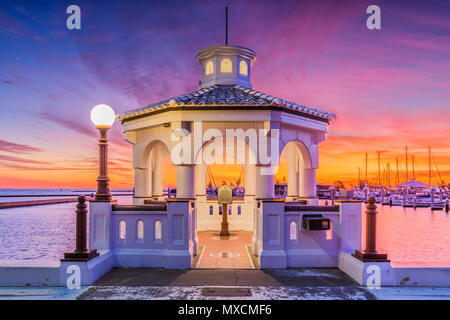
[(16, 204)]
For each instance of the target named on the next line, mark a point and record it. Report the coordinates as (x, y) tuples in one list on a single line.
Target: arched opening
[(295, 179), (219, 168), (155, 176)]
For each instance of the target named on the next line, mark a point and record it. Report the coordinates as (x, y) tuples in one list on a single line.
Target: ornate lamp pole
[(103, 117)]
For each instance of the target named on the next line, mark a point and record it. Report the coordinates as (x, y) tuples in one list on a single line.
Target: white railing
[(161, 235), (283, 242)]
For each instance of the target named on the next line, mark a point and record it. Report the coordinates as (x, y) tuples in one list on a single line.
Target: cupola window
[(226, 65), (209, 68), (243, 68)]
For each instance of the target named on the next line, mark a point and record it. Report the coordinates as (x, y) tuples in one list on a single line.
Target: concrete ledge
[(153, 258), (310, 258), (29, 273), (90, 270), (389, 276), (136, 258), (178, 259), (273, 259), (421, 277)]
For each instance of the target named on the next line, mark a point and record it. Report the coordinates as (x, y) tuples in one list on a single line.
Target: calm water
[(419, 237), (410, 237)]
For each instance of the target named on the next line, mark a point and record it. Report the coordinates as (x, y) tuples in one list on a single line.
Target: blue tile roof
[(224, 96)]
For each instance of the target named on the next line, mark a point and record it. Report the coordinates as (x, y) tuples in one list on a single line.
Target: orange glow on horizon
[(339, 161)]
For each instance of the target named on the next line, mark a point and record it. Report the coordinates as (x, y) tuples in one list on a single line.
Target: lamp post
[(103, 117)]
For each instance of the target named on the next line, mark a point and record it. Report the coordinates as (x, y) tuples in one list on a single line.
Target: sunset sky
[(390, 88)]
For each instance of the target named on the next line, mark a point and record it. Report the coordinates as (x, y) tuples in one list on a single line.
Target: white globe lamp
[(103, 116)]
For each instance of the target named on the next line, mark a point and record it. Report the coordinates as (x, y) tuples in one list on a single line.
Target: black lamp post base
[(370, 257), (80, 256)]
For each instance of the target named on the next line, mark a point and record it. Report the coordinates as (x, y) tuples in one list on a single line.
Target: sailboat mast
[(389, 175), (414, 174), (359, 177), (406, 164), (379, 171), (398, 176), (429, 166), (366, 169)]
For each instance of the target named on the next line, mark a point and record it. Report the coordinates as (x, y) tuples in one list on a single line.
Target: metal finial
[(226, 26)]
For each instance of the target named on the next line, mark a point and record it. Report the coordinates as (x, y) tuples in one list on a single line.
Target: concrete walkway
[(204, 284), (226, 284), (310, 277)]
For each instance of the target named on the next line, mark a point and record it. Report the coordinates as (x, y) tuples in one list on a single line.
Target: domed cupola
[(226, 65)]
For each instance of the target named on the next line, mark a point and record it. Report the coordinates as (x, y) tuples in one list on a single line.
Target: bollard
[(370, 254), (81, 252)]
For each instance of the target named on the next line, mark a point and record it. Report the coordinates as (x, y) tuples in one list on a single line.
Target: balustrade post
[(370, 254), (81, 252)]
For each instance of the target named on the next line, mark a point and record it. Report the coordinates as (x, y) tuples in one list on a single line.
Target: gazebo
[(225, 119), (224, 108)]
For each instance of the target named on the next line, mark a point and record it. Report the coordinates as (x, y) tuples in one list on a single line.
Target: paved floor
[(197, 293), (311, 277), (202, 293), (224, 252), (195, 284)]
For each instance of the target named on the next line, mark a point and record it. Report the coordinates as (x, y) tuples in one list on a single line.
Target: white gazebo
[(226, 103), (225, 119)]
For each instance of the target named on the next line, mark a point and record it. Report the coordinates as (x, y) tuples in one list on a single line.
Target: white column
[(292, 161), (141, 185), (264, 184), (308, 183), (157, 160), (250, 179), (185, 181), (200, 179)]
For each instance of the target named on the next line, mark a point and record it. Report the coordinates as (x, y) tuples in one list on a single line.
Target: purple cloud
[(68, 123), (21, 160), (17, 147)]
